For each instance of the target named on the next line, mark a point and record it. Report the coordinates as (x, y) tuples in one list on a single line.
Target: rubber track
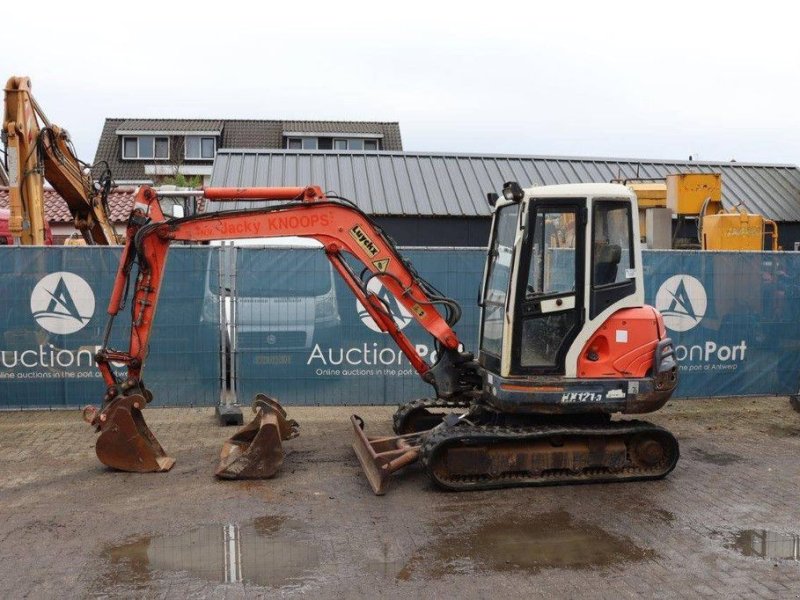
[(489, 434), (407, 410)]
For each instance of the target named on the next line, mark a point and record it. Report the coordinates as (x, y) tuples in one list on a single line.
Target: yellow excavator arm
[(37, 151)]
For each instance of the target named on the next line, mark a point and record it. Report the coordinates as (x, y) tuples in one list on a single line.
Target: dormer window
[(334, 141), (200, 147), (354, 144), (302, 143), (144, 147)]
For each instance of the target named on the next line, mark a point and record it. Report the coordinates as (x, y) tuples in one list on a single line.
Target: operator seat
[(606, 262)]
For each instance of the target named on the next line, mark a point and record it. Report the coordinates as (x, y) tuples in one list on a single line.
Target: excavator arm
[(36, 151), (341, 228)]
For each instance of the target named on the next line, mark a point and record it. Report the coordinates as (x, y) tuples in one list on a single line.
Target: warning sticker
[(418, 310), (381, 264)]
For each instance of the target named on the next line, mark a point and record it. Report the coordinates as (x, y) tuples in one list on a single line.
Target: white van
[(285, 294)]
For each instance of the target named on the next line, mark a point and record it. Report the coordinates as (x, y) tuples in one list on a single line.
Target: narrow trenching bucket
[(382, 456), (125, 442), (255, 451)]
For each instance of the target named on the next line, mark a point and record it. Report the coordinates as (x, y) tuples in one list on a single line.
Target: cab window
[(612, 243), (497, 279), (552, 266), (612, 254)]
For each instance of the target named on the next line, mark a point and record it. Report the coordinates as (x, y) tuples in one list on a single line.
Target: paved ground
[(71, 528)]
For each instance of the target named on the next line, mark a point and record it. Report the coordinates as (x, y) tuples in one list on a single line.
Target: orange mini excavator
[(565, 339)]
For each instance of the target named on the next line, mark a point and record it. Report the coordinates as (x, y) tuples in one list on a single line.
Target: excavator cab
[(563, 300)]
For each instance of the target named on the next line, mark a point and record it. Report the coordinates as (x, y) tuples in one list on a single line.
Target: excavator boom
[(37, 151), (338, 225)]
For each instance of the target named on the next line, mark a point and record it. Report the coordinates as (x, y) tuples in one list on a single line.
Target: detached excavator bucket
[(125, 442), (382, 456), (255, 451)]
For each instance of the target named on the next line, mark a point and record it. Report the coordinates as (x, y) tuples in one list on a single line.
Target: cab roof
[(575, 190), (578, 190)]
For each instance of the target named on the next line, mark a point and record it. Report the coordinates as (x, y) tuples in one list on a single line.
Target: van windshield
[(275, 272)]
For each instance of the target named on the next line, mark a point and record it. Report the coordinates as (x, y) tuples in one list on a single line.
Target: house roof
[(168, 125), (120, 201), (444, 184), (234, 133)]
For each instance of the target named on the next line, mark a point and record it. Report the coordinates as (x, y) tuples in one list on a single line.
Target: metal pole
[(223, 367), (228, 410), (234, 326)]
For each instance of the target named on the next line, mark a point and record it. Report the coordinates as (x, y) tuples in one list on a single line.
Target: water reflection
[(767, 544), (516, 543), (262, 552)]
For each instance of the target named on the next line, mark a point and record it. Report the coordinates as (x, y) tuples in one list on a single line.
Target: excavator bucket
[(382, 456), (125, 442), (255, 451)]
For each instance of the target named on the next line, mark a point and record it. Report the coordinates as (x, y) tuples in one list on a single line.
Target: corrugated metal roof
[(411, 183)]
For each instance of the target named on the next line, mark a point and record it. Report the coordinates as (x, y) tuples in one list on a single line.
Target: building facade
[(181, 151)]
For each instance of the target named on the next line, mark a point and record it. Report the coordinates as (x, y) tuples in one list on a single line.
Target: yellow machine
[(700, 195), (648, 195), (738, 230), (37, 151), (692, 194)]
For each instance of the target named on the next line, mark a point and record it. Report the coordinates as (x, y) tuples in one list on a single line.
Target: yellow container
[(737, 231), (686, 192), (650, 195)]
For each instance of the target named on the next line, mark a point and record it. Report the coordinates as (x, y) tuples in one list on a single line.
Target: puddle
[(550, 540), (386, 562), (268, 551), (715, 458), (766, 544)]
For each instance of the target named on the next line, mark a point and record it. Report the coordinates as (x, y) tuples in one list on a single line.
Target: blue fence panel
[(317, 346), (183, 367), (735, 317), (54, 314)]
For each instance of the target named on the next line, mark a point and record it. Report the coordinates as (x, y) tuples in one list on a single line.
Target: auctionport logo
[(402, 316), (682, 301), (62, 303)]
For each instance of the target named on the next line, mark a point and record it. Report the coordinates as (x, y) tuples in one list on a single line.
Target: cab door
[(549, 297)]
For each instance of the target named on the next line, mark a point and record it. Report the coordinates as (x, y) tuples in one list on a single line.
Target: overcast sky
[(629, 79)]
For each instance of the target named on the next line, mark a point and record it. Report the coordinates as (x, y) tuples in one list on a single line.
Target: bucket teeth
[(125, 442), (255, 451)]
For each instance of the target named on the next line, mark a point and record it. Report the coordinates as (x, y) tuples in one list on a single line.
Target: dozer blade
[(125, 442), (255, 451), (382, 456)]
